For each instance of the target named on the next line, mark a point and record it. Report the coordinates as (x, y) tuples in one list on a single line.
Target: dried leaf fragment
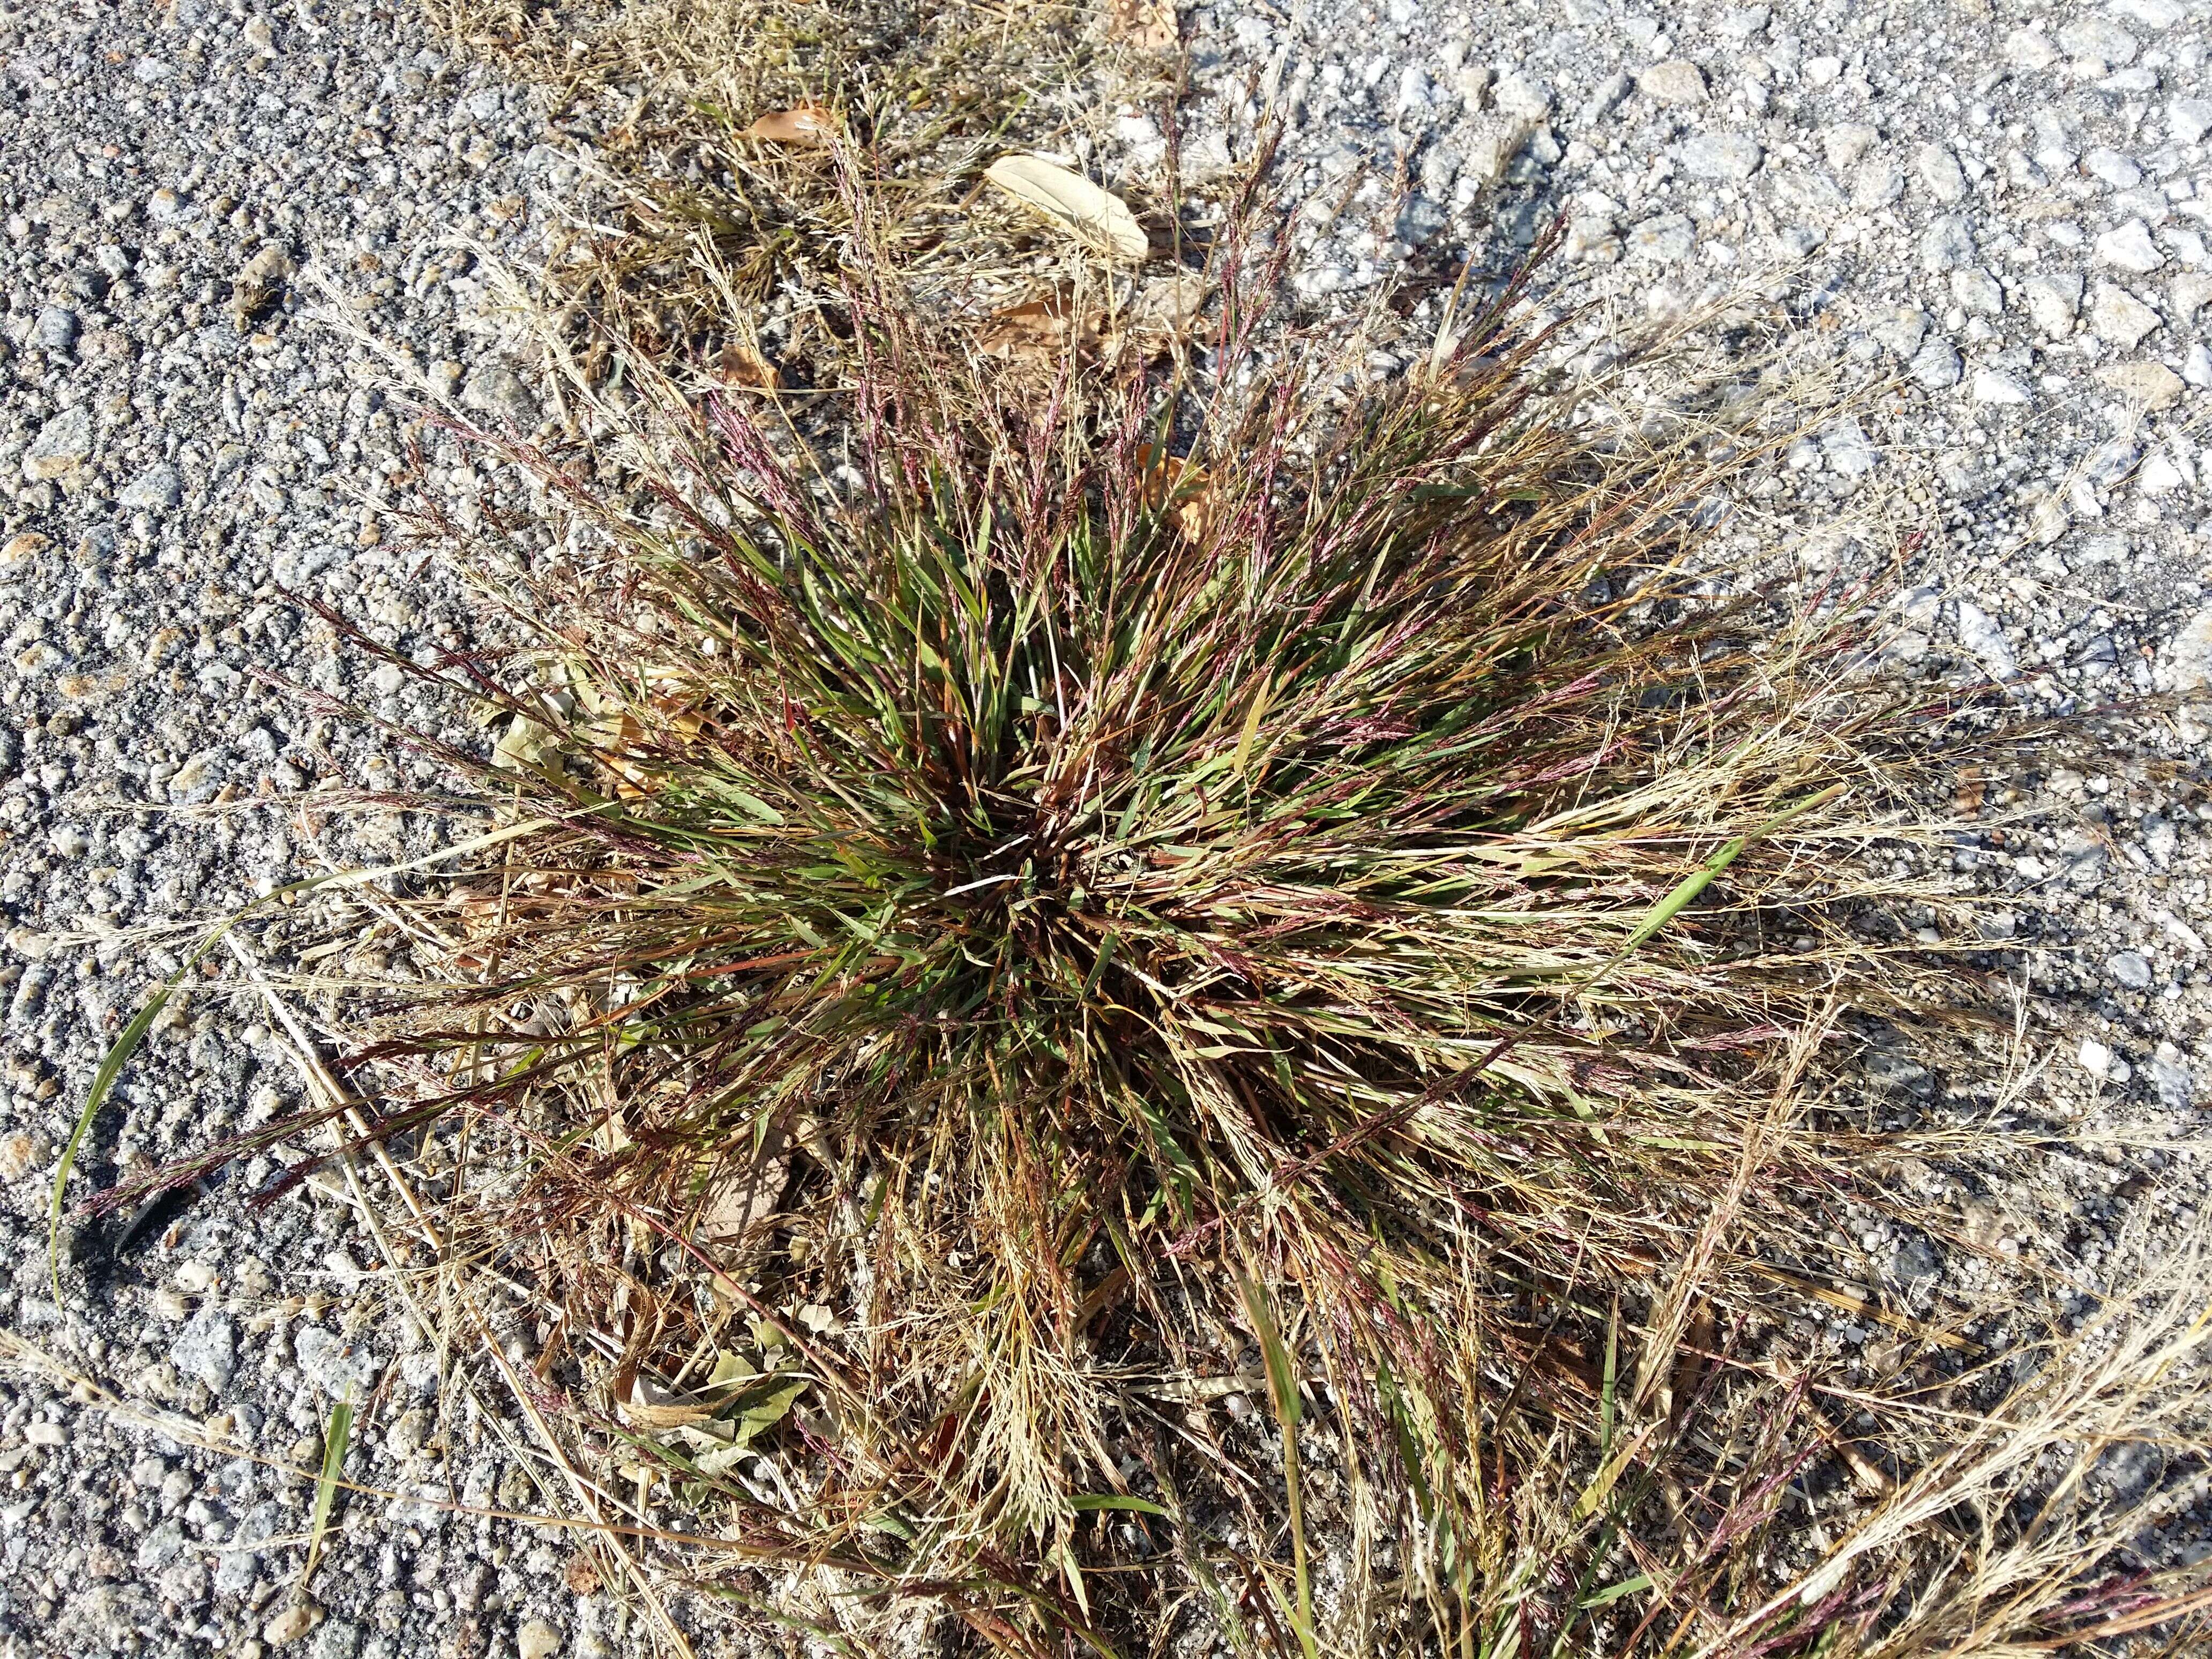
[(1094, 217), (802, 124), (739, 365), (1181, 486), (1147, 25), (1041, 330)]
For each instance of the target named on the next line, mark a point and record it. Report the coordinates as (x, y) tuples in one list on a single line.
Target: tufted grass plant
[(1129, 1012)]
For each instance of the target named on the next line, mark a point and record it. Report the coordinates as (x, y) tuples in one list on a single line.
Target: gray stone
[(2169, 1074), (1728, 156), (1940, 174), (1846, 143), (1915, 1259), (54, 328), (1878, 183), (1848, 452), (1947, 244), (495, 387), (2131, 969), (235, 1571), (2054, 301), (1901, 330), (160, 1547), (332, 1364), (206, 1348), (156, 489), (1937, 366), (62, 445), (336, 1639), (1666, 239), (1977, 292)]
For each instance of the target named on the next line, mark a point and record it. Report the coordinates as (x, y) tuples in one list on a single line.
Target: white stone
[(2188, 119), (2099, 42), (2160, 476), (1730, 156), (2096, 1059), (2054, 301), (1519, 95), (1982, 636), (538, 1640), (2029, 49), (1991, 387), (2119, 317), (1940, 174), (2153, 15), (1677, 81), (2131, 248)]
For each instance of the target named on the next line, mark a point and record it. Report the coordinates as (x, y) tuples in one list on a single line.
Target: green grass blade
[(1283, 1385), (335, 1438)]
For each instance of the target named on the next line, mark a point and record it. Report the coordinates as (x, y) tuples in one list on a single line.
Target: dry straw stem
[(1093, 889)]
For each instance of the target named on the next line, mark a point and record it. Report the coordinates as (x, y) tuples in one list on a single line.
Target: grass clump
[(1149, 1015)]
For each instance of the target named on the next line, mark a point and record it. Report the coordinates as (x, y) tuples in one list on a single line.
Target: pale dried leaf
[(646, 1405), (1094, 217), (802, 124)]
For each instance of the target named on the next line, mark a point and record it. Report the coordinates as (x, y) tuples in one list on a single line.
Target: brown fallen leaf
[(1094, 217), (581, 1574), (741, 366), (802, 124), (1181, 486), (1041, 330), (1147, 25)]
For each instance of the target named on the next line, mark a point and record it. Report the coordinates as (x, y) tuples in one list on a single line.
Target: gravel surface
[(177, 440), (2000, 213)]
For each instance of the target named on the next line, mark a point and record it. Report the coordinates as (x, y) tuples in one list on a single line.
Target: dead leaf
[(1147, 25), (1181, 486), (802, 124), (1094, 217), (742, 1195), (581, 1574), (646, 1404), (741, 366), (1041, 330)]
